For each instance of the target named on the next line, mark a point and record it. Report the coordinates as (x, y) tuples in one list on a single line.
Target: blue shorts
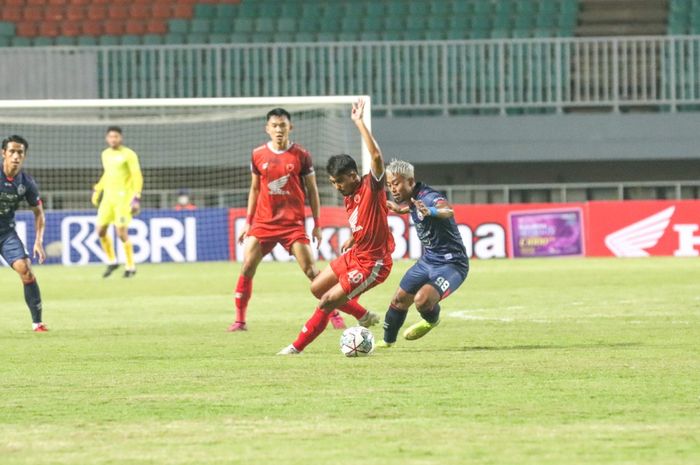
[(11, 247), (444, 278)]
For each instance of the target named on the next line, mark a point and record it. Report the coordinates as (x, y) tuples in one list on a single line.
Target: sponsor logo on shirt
[(276, 186), (354, 227)]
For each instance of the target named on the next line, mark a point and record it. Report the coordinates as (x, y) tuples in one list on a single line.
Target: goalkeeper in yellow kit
[(118, 195)]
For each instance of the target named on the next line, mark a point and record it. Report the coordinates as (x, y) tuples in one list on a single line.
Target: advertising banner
[(619, 229), (548, 233), (644, 228), (158, 236)]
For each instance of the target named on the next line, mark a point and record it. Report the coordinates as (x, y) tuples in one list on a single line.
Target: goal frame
[(211, 102)]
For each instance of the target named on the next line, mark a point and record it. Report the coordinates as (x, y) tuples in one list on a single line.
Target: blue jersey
[(440, 237), (13, 191)]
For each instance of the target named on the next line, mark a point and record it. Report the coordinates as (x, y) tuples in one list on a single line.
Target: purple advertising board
[(547, 233)]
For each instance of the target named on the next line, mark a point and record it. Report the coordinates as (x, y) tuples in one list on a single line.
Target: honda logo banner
[(644, 228)]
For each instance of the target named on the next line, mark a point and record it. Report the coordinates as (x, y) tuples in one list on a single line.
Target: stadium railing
[(471, 76)]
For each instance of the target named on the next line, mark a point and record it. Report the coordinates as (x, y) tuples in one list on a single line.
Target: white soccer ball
[(357, 342)]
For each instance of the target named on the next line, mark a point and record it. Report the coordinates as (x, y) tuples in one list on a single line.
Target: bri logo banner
[(158, 236)]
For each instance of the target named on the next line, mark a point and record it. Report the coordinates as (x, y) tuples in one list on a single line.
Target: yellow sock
[(129, 252), (108, 247)]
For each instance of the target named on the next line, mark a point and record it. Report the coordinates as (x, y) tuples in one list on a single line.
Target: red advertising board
[(644, 228), (623, 229)]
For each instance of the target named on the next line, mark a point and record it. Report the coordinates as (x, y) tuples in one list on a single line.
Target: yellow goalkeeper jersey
[(122, 173)]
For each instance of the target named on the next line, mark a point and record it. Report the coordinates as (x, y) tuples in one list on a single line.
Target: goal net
[(194, 148)]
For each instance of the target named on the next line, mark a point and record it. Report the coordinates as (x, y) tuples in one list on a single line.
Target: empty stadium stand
[(135, 22)]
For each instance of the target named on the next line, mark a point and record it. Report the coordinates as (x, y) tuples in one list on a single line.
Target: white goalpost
[(197, 147)]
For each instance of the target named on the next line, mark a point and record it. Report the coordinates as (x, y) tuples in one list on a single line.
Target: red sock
[(315, 326), (244, 289), (353, 307)]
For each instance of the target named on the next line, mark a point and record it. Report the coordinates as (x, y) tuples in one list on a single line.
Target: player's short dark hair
[(116, 129), (340, 164), (17, 139), (280, 112)]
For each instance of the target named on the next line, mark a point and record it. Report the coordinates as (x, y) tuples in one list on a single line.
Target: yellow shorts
[(113, 212)]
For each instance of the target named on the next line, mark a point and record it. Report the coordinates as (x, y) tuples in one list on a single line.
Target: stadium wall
[(614, 229), (545, 148)]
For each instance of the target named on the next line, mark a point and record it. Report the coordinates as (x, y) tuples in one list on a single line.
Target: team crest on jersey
[(264, 166), (290, 167), (354, 227), (356, 199), (21, 190), (276, 187)]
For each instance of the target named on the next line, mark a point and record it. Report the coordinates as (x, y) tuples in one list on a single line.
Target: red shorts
[(270, 238), (359, 275)]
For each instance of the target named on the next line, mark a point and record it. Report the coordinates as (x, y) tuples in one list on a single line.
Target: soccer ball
[(357, 342)]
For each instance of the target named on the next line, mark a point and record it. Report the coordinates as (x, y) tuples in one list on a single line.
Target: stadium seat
[(86, 40), (161, 11), (20, 42), (7, 29), (286, 25), (152, 39), (43, 41), (155, 26), (108, 39), (199, 26), (265, 25), (222, 26), (178, 26), (243, 25), (205, 11)]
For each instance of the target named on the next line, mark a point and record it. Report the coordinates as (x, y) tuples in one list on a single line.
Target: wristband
[(316, 222), (433, 211), (249, 219)]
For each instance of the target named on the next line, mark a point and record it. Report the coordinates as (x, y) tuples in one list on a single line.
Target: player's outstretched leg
[(32, 295), (302, 252)]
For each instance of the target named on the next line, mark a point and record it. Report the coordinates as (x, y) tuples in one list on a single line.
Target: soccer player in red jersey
[(367, 261), (280, 172)]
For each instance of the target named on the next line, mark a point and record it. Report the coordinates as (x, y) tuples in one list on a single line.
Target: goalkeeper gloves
[(136, 204), (96, 197)]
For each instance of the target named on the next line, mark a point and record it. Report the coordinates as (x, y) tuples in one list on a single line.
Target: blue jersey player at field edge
[(444, 264), (15, 187)]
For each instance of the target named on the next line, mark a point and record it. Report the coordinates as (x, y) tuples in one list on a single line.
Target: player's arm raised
[(315, 203), (136, 182), (252, 202), (377, 161)]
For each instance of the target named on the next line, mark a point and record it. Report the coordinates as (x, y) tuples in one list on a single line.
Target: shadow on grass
[(601, 345)]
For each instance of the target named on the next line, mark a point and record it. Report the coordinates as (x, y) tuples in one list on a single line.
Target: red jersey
[(367, 215), (281, 199)]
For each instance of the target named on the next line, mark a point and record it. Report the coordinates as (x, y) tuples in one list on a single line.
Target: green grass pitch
[(536, 362)]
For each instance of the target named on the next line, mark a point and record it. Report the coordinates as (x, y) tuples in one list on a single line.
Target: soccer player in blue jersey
[(16, 186), (444, 264)]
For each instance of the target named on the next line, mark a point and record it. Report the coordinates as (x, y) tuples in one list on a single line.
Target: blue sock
[(431, 316), (33, 298), (393, 320)]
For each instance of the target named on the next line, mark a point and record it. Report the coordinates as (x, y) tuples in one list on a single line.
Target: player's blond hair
[(400, 168)]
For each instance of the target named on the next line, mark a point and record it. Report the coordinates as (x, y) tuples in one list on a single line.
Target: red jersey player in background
[(367, 261), (280, 172)]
